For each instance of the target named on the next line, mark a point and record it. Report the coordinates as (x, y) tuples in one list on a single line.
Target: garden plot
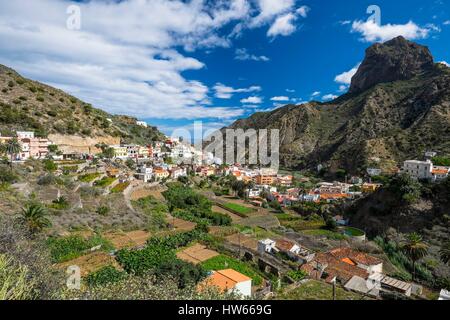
[(244, 240), (196, 254), (91, 262), (234, 217), (181, 225), (263, 221), (130, 239)]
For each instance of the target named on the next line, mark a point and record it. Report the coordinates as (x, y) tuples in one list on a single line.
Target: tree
[(445, 252), (415, 249), (13, 147), (408, 189), (108, 153), (35, 217)]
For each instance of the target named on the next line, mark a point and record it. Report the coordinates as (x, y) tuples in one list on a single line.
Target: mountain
[(397, 107), (30, 105)]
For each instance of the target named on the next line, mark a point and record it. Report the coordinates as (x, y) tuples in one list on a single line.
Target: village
[(264, 238)]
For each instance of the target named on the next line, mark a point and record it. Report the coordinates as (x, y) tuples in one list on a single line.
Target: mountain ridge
[(384, 124), (30, 105)]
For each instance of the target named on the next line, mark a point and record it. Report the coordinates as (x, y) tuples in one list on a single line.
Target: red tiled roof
[(356, 256), (284, 245)]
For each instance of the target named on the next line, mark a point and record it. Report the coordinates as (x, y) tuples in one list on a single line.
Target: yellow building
[(120, 152), (370, 187)]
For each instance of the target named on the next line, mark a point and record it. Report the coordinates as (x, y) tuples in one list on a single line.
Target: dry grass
[(196, 254)]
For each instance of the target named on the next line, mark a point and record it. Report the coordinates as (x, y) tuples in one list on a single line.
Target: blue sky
[(173, 62)]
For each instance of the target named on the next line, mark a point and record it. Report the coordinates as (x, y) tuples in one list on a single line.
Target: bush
[(6, 175), (406, 188), (105, 275), (46, 180), (120, 187), (50, 165), (103, 211), (68, 248)]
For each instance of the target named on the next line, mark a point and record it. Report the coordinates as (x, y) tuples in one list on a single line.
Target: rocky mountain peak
[(397, 59)]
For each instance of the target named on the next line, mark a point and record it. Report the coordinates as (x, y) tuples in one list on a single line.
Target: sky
[(171, 63)]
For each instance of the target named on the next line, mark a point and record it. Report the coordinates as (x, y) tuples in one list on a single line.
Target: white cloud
[(242, 54), (270, 9), (290, 90), (328, 97), (445, 63), (303, 11), (315, 94), (124, 58), (446, 23), (346, 77), (342, 88), (225, 92), (252, 99), (280, 98), (283, 25), (372, 32)]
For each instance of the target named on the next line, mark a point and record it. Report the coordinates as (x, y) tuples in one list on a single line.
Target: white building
[(373, 171), (444, 295), (418, 169), (177, 172), (266, 245), (145, 173), (142, 124), (230, 280)]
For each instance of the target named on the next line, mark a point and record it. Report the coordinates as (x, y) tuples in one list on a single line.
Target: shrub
[(68, 248), (6, 175), (50, 165), (46, 180), (103, 210), (105, 275), (120, 187)]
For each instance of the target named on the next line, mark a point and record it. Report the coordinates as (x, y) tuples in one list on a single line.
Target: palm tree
[(415, 249), (13, 147), (35, 217), (445, 252)]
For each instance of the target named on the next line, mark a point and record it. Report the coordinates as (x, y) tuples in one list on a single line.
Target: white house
[(266, 245), (145, 173), (229, 280), (142, 124), (373, 171), (177, 172), (418, 169)]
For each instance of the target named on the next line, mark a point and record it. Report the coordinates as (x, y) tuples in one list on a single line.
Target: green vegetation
[(353, 232), (87, 178), (326, 233), (159, 258), (297, 275), (104, 276), (60, 204), (155, 210), (14, 279), (104, 182), (50, 165), (103, 210), (224, 262), (186, 204), (441, 161), (68, 248), (406, 188), (34, 216), (415, 249), (119, 188), (399, 259), (298, 223), (238, 208)]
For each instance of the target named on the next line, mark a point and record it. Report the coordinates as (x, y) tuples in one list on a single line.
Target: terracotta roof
[(440, 171), (333, 195), (356, 256), (284, 245), (224, 280), (342, 270), (234, 275)]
